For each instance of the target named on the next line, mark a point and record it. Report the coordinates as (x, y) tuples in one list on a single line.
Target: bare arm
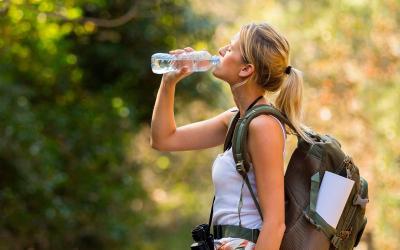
[(199, 135), (266, 144), (166, 136)]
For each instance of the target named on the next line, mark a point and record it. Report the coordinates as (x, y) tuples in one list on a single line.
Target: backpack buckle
[(348, 161), (338, 238), (358, 200), (343, 235), (240, 167)]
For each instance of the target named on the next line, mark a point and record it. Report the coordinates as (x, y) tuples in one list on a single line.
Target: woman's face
[(231, 62)]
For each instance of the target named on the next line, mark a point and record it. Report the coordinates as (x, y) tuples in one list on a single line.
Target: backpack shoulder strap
[(239, 141)]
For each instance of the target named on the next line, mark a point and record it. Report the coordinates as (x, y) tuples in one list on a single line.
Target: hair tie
[(288, 70)]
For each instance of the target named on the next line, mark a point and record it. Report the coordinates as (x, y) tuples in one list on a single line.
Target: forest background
[(77, 92)]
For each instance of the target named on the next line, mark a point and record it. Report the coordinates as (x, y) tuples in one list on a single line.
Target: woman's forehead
[(235, 39)]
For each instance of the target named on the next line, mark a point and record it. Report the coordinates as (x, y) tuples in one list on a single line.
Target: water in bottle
[(197, 61)]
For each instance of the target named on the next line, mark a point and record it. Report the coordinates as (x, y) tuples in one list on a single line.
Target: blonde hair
[(268, 51)]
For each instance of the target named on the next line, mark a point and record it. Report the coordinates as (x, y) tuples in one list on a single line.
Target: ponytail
[(268, 50), (289, 101)]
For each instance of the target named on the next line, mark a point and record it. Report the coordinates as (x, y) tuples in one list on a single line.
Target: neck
[(245, 94)]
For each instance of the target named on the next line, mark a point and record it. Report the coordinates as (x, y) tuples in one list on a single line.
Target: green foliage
[(72, 92)]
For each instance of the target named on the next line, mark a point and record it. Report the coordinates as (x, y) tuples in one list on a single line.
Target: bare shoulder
[(266, 127), (263, 122), (266, 140)]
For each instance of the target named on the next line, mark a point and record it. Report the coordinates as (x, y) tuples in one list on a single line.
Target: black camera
[(203, 240)]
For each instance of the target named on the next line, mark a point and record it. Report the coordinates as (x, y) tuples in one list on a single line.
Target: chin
[(214, 72), (217, 74)]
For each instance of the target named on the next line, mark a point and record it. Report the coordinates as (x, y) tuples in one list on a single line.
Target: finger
[(177, 51), (188, 49)]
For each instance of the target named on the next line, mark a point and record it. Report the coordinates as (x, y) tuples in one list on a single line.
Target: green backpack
[(305, 228)]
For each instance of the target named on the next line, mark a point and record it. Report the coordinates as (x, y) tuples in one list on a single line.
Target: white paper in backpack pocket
[(332, 197)]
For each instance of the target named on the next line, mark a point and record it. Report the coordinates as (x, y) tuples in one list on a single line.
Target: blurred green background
[(77, 92)]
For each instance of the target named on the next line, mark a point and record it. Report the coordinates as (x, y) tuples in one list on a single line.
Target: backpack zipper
[(349, 217), (346, 161)]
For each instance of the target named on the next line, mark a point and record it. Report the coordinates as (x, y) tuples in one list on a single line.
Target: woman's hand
[(175, 76)]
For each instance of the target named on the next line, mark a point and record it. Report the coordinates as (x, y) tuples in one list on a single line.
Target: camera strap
[(211, 213)]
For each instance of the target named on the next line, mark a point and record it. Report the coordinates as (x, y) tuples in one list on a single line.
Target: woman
[(255, 61)]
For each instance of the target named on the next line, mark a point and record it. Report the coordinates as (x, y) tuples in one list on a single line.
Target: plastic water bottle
[(197, 61)]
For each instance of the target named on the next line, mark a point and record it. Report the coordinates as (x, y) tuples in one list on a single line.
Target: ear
[(246, 71)]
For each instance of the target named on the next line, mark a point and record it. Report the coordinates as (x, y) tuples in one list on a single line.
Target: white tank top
[(228, 184)]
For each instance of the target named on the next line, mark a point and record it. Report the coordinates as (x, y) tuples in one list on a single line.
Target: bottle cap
[(215, 60)]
